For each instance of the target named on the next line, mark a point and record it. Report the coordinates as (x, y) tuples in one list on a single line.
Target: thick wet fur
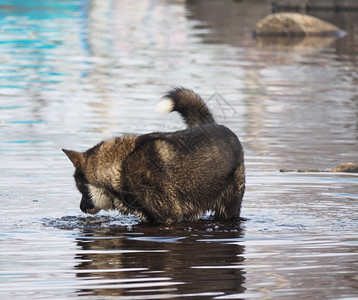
[(166, 177)]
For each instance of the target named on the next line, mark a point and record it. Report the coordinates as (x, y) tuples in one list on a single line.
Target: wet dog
[(166, 177)]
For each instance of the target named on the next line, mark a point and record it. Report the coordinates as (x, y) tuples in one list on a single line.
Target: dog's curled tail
[(188, 104)]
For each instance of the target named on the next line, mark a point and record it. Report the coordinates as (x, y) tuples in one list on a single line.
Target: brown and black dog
[(166, 177)]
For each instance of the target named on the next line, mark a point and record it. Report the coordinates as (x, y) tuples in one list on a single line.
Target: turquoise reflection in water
[(41, 9), (26, 122), (27, 142), (34, 37), (11, 106)]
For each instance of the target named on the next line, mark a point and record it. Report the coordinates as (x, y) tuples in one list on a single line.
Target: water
[(76, 72)]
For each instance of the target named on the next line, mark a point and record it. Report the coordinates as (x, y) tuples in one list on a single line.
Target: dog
[(166, 177)]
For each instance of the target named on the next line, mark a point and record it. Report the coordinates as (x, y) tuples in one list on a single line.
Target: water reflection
[(76, 72), (294, 43), (152, 262)]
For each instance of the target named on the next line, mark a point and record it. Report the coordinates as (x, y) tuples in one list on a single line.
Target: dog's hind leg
[(228, 205)]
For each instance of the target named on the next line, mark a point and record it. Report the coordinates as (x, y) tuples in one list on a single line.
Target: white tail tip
[(165, 105)]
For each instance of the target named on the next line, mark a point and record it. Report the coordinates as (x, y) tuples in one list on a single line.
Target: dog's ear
[(77, 158)]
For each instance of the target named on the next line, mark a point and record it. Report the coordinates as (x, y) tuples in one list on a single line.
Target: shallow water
[(75, 72)]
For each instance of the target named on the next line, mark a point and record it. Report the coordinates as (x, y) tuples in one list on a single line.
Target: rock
[(348, 168), (343, 168), (294, 24), (302, 170)]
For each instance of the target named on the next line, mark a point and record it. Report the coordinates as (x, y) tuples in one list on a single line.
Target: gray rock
[(343, 168), (294, 24)]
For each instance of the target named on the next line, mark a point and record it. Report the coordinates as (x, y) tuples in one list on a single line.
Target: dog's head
[(94, 197)]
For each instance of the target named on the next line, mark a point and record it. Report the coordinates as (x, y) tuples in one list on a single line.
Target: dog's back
[(191, 171), (178, 176)]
